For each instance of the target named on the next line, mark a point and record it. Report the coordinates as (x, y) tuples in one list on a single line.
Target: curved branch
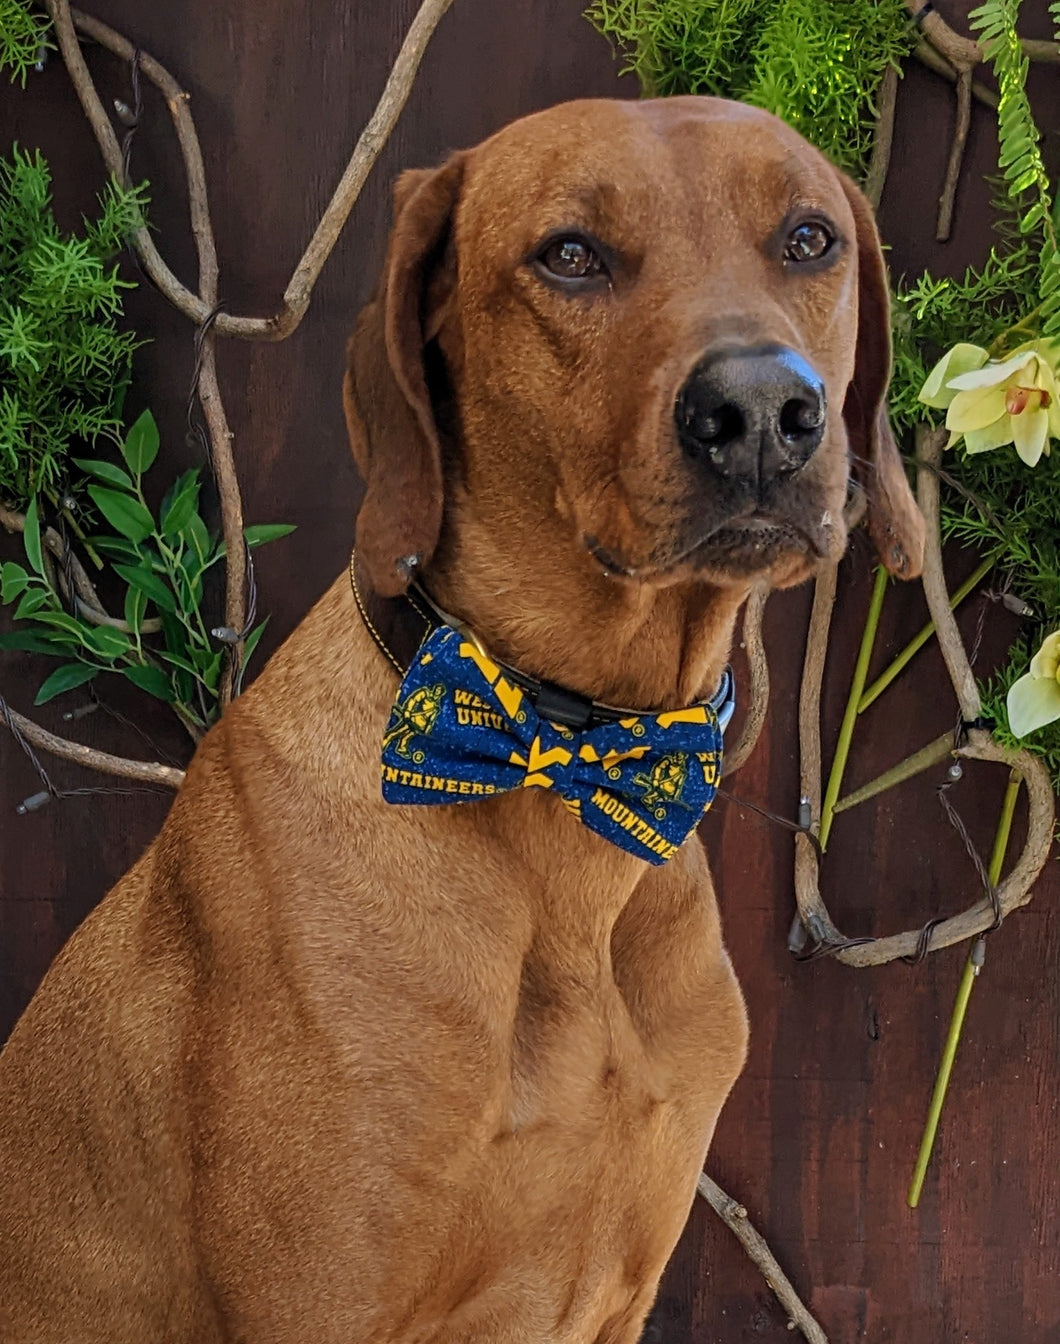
[(876, 177), (926, 54), (146, 772), (961, 52), (929, 444), (371, 141), (1017, 888), (758, 696), (177, 101), (944, 226), (812, 910), (734, 1216)]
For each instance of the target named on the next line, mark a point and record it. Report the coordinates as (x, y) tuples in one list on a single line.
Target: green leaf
[(199, 536), (261, 533), (106, 471), (31, 603), (252, 640), (150, 679), (135, 608), (61, 621), (211, 672), (108, 642), (65, 678), (117, 548), (13, 580), (128, 515), (141, 444), (182, 509), (143, 578), (31, 538), (22, 641), (178, 660)]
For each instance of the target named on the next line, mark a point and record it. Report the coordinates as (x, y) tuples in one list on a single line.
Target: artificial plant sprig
[(1019, 153), (64, 359), (23, 38), (162, 560), (818, 67)]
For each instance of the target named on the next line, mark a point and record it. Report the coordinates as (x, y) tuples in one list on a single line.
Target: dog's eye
[(571, 259), (809, 242)]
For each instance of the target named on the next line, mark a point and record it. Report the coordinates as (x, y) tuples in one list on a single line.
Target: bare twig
[(735, 1218), (231, 502), (758, 694), (876, 177), (374, 136), (812, 911), (962, 52), (944, 226), (1016, 889), (926, 54), (177, 100), (207, 388), (146, 772), (929, 443)]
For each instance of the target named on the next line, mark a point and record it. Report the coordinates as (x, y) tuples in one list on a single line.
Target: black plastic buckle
[(564, 707)]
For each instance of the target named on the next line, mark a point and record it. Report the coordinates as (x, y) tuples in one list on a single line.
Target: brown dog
[(324, 1069)]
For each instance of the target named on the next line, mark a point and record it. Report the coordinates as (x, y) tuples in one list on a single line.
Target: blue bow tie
[(461, 730)]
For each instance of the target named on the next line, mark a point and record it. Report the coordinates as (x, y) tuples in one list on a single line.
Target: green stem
[(972, 968), (77, 530), (857, 685), (1002, 340), (918, 641), (933, 754)]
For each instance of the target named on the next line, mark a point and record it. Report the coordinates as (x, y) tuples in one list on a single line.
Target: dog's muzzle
[(751, 416)]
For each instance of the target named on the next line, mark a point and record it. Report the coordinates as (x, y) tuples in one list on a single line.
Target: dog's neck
[(557, 616)]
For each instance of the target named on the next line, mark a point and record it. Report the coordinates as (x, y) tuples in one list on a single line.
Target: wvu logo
[(414, 716), (664, 785), (537, 761)]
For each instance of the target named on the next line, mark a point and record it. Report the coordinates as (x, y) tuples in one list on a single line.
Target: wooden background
[(820, 1135)]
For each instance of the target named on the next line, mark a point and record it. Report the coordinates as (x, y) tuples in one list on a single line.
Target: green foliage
[(818, 67), (162, 644), (64, 362), (1019, 154), (23, 32), (930, 315)]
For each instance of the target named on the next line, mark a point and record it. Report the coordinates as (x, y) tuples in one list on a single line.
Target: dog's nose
[(751, 415)]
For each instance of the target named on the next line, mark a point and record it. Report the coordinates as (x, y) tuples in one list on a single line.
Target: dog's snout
[(751, 414)]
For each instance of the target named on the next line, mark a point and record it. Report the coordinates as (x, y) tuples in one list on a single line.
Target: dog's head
[(653, 333)]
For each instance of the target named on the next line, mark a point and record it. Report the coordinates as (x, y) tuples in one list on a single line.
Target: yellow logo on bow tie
[(414, 716), (665, 783), (539, 761), (509, 696), (611, 759)]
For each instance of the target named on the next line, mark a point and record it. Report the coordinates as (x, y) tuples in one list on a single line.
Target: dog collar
[(400, 625)]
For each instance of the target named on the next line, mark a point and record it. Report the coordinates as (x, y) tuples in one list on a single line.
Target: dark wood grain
[(820, 1135)]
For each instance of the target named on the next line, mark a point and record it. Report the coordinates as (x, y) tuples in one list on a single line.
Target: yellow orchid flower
[(1034, 700), (991, 402)]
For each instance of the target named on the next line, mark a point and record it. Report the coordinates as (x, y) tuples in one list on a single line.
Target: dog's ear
[(895, 523), (385, 395)]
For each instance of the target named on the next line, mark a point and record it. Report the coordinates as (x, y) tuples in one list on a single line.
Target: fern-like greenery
[(23, 33), (1019, 155), (64, 361), (818, 67)]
